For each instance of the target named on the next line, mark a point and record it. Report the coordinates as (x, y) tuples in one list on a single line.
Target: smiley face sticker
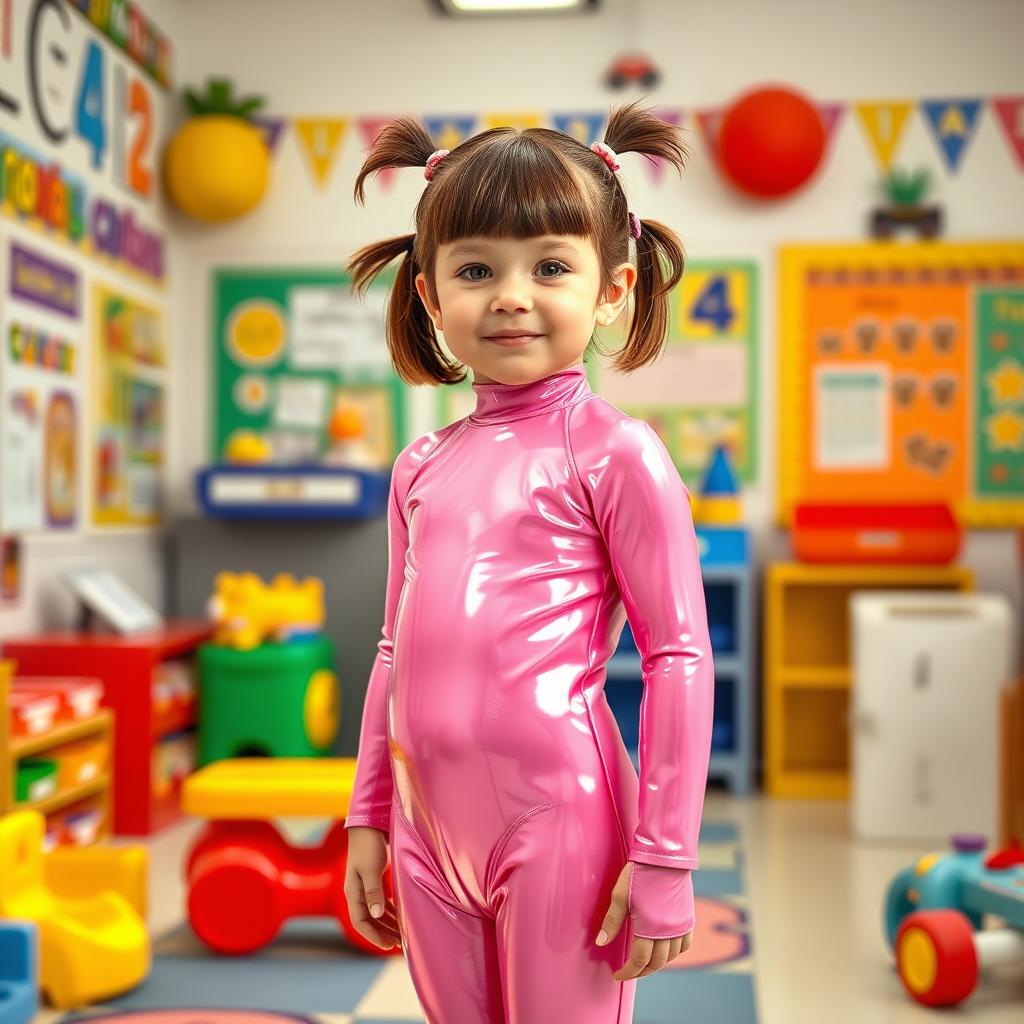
[(256, 333)]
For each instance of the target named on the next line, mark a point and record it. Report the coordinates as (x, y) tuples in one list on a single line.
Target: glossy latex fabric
[(520, 538)]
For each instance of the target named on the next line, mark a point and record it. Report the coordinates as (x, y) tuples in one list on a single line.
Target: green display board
[(293, 346)]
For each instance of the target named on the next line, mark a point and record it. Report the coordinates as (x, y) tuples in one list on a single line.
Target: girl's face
[(545, 291)]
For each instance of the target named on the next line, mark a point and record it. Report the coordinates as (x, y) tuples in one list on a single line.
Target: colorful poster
[(902, 377), (130, 400), (999, 392), (39, 395), (702, 390)]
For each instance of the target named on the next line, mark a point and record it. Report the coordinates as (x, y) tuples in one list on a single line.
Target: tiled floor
[(812, 896)]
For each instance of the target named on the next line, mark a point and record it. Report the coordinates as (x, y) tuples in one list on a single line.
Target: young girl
[(534, 875)]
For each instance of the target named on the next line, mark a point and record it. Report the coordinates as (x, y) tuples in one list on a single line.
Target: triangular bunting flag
[(709, 121), (952, 123), (585, 128), (1010, 112), (883, 124), (655, 164), (831, 115), (271, 128), (369, 129), (519, 121), (320, 138), (449, 132)]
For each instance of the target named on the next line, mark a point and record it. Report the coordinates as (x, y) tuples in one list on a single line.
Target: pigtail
[(657, 248), (402, 143), (659, 252), (635, 129), (412, 340)]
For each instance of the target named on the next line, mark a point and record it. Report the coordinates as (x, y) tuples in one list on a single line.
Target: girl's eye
[(560, 267), (466, 272)]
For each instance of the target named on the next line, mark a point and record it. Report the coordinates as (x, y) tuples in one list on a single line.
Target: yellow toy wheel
[(322, 710)]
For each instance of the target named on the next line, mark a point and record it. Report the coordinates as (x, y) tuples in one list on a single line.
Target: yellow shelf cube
[(807, 671)]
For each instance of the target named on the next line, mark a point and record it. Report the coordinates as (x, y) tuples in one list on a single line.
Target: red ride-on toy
[(244, 878)]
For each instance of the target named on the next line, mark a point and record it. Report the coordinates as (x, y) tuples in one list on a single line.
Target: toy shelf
[(13, 749), (726, 574), (129, 666), (807, 671)]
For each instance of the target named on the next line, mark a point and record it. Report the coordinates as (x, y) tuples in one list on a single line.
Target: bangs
[(514, 187)]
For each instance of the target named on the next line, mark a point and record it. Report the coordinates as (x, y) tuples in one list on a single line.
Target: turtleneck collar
[(496, 403)]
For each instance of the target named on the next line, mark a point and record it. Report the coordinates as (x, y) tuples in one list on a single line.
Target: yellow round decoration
[(245, 447), (256, 333), (217, 167), (322, 712), (918, 960)]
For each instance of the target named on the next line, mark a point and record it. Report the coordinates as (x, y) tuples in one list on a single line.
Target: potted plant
[(904, 191)]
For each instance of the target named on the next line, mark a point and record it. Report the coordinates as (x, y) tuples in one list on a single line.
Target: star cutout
[(1005, 430), (1006, 382)]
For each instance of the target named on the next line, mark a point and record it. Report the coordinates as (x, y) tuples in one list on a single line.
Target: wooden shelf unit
[(13, 749), (127, 665), (807, 670)]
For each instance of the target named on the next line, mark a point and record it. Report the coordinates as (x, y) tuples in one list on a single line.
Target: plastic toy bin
[(277, 700)]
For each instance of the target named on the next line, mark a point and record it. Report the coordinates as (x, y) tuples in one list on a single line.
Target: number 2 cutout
[(140, 178)]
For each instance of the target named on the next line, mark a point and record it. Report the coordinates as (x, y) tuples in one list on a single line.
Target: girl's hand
[(364, 888), (646, 955)]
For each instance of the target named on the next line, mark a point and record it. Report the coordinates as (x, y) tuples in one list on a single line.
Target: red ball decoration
[(770, 142)]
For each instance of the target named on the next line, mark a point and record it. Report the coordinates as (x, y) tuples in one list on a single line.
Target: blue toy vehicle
[(933, 918)]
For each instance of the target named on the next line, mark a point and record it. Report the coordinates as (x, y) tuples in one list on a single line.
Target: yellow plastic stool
[(280, 787), (91, 947)]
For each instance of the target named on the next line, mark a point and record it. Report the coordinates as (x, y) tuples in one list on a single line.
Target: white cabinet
[(927, 670)]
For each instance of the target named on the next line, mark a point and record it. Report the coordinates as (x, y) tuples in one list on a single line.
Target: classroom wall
[(134, 553), (324, 57)]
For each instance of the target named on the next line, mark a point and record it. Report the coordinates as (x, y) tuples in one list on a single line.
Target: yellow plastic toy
[(92, 938), (247, 611)]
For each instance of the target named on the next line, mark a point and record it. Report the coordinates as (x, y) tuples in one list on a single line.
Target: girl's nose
[(511, 297)]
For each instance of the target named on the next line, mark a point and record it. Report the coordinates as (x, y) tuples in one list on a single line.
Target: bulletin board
[(293, 343), (902, 377), (130, 401), (702, 390)]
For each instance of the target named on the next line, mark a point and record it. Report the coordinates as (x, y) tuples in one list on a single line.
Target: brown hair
[(503, 183)]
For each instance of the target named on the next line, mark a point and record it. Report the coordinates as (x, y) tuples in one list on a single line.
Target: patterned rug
[(311, 972)]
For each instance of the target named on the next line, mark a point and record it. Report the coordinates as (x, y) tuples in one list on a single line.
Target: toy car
[(934, 918), (632, 68)]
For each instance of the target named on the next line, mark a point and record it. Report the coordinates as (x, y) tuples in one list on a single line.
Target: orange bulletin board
[(902, 377)]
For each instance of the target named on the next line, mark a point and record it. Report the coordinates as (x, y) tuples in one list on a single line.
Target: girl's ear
[(616, 294), (423, 289)]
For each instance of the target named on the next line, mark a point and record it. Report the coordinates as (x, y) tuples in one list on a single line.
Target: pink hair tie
[(607, 154), (432, 161), (634, 225)]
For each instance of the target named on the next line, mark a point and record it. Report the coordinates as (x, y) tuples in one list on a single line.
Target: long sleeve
[(641, 507), (371, 795)]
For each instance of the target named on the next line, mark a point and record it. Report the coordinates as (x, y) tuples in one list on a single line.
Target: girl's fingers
[(639, 957), (380, 935), (675, 948), (659, 957)]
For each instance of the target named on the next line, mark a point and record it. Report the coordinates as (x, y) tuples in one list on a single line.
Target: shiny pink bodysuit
[(520, 538)]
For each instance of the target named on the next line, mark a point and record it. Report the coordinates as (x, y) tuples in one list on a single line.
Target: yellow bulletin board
[(902, 377)]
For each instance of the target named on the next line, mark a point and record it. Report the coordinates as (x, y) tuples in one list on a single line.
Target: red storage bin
[(33, 712), (80, 696), (906, 534)]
